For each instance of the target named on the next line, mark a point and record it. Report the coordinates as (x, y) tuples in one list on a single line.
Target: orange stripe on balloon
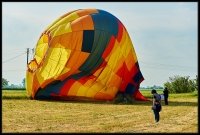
[(103, 96), (86, 12), (87, 23)]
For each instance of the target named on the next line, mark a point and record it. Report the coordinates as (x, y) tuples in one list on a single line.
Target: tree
[(196, 82), (4, 83), (178, 84), (23, 82)]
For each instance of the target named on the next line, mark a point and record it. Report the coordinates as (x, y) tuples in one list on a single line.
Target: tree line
[(5, 84)]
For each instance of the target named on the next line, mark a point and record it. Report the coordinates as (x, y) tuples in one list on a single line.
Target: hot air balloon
[(84, 54)]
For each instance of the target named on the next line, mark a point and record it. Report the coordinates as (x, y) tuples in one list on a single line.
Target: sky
[(164, 35)]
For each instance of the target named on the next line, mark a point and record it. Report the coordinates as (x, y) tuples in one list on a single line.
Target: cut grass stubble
[(24, 115)]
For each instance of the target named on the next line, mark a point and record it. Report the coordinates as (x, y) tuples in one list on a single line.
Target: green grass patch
[(14, 94), (147, 94)]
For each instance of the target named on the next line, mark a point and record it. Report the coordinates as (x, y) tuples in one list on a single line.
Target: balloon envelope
[(86, 54)]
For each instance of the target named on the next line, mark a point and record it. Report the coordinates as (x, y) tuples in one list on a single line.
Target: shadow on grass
[(144, 103), (15, 98), (177, 103)]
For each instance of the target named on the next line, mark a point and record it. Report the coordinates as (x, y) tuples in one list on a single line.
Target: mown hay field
[(22, 115)]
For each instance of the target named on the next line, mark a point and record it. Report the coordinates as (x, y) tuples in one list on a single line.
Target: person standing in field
[(156, 105), (166, 95)]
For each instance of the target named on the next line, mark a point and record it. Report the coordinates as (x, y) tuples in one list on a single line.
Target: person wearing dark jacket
[(166, 95), (156, 105)]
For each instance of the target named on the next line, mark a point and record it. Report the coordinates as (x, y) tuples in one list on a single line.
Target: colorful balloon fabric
[(84, 54)]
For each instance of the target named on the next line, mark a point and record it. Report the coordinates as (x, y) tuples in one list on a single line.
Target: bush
[(178, 84)]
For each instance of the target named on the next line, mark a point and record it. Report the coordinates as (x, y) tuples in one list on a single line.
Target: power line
[(147, 64), (15, 70), (166, 65), (12, 52), (28, 52), (14, 57), (173, 69)]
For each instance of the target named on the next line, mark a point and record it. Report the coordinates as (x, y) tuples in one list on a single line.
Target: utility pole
[(33, 50), (27, 54)]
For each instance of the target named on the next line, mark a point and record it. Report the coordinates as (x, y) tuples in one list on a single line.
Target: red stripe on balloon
[(120, 31), (109, 47), (66, 87)]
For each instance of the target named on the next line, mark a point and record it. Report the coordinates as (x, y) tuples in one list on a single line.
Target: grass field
[(20, 114)]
